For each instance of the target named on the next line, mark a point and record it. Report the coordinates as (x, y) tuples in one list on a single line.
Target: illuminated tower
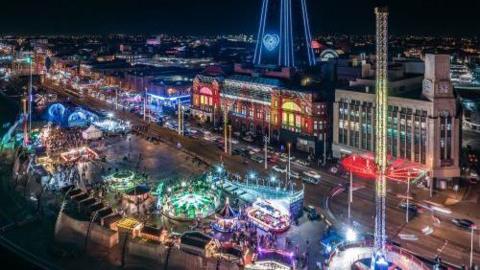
[(284, 37), (381, 89)]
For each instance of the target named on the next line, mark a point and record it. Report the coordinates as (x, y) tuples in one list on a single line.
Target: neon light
[(291, 34), (263, 28), (271, 41), (259, 38), (281, 35)]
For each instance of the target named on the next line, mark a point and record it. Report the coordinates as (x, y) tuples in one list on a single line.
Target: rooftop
[(415, 93)]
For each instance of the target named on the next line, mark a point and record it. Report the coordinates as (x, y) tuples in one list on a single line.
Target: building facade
[(263, 106), (423, 124)]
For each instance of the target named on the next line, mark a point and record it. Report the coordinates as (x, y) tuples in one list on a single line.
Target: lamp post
[(408, 199), (471, 245), (29, 60), (266, 140), (145, 105), (288, 170), (350, 196), (116, 99)]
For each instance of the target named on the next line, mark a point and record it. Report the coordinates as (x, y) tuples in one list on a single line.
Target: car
[(312, 212), (334, 169), (412, 208), (474, 175), (279, 169), (248, 139), (272, 159), (310, 180), (285, 156), (236, 152), (257, 159), (463, 223), (312, 174), (254, 149), (302, 162), (294, 174)]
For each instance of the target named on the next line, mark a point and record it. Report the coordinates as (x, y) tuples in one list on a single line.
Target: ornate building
[(423, 124), (206, 97), (261, 106)]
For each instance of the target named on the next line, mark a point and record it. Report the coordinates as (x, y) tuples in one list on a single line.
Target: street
[(456, 251)]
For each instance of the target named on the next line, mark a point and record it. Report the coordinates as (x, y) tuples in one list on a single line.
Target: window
[(291, 106)]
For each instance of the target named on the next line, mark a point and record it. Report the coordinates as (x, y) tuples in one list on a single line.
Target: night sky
[(431, 17)]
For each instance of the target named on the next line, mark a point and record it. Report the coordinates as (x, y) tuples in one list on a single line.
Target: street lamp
[(251, 176), (273, 179), (472, 228), (350, 196), (266, 140), (408, 199)]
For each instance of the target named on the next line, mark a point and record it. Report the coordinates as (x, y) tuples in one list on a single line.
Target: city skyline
[(424, 17)]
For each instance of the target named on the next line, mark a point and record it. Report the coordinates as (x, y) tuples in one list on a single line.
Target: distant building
[(423, 122)]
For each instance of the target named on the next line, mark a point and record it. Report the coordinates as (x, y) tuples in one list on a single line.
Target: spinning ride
[(269, 216), (123, 181), (186, 203)]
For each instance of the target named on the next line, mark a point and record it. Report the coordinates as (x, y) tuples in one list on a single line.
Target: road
[(455, 251)]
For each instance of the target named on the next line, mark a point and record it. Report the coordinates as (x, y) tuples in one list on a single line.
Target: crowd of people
[(60, 139)]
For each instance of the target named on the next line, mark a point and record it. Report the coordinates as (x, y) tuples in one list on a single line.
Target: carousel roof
[(227, 211)]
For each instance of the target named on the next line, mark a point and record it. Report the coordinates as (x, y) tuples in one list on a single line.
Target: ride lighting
[(351, 235)]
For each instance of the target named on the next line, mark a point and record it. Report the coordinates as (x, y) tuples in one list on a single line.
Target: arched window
[(291, 106), (206, 91)]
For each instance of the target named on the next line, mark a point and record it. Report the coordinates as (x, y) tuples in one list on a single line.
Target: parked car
[(257, 159), (248, 139), (312, 212), (279, 169), (310, 180), (294, 174), (302, 162), (312, 174), (254, 149), (412, 208), (463, 223), (236, 151)]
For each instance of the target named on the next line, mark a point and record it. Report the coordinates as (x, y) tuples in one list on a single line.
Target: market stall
[(92, 133)]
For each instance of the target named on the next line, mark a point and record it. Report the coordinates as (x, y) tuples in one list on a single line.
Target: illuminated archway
[(206, 91), (291, 106)]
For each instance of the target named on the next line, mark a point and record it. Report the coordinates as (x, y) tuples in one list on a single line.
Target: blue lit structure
[(81, 118), (67, 116), (56, 112), (284, 37)]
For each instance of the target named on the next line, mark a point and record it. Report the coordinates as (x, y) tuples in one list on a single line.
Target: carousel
[(137, 200), (196, 200), (269, 216), (226, 220), (123, 181)]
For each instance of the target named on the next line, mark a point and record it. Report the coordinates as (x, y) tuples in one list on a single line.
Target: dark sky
[(435, 17)]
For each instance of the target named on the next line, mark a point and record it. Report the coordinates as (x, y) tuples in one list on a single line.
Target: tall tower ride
[(284, 37), (381, 90)]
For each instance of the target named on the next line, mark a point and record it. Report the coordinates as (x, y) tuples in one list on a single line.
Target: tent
[(92, 133)]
